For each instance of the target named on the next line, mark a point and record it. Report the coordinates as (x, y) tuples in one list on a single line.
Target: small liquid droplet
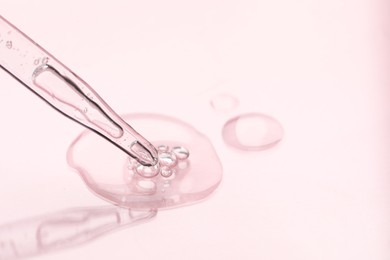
[(224, 102), (148, 171), (167, 159), (166, 172), (163, 148), (251, 132), (180, 152), (8, 44)]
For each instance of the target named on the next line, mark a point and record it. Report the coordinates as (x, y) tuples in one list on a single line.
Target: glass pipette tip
[(66, 92)]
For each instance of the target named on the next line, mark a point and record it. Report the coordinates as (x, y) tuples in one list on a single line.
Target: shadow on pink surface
[(65, 229)]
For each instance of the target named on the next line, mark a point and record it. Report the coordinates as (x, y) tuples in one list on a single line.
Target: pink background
[(319, 67)]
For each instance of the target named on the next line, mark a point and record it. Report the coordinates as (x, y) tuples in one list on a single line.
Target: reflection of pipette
[(66, 92), (65, 229)]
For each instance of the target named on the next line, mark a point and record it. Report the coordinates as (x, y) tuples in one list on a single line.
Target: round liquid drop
[(252, 132), (111, 175)]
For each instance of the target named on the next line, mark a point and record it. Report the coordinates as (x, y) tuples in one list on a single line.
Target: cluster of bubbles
[(169, 161)]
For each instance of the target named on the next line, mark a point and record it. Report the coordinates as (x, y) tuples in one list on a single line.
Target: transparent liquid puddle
[(252, 132), (188, 169)]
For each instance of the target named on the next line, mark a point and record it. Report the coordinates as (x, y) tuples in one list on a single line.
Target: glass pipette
[(47, 77)]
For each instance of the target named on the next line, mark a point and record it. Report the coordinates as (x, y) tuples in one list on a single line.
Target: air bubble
[(253, 131), (166, 172), (167, 159), (148, 171), (8, 44), (163, 148), (180, 152)]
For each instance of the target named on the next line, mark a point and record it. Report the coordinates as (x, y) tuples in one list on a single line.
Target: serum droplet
[(180, 152), (167, 172), (167, 159), (163, 148), (148, 171), (252, 132)]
